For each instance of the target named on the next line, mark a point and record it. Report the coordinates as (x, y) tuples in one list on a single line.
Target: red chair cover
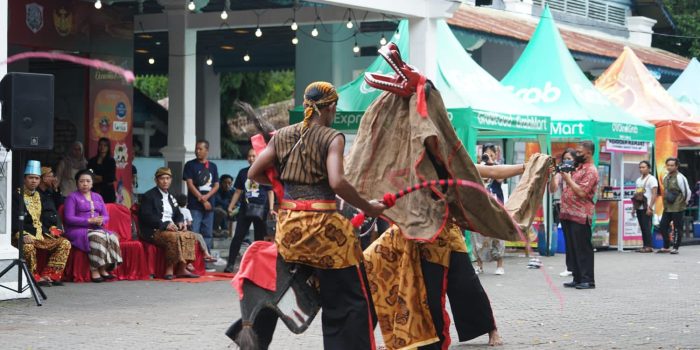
[(119, 221), (156, 260)]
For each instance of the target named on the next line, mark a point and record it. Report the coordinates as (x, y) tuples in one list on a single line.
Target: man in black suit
[(162, 224)]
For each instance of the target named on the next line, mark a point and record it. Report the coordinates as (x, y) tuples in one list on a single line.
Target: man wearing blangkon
[(577, 205)]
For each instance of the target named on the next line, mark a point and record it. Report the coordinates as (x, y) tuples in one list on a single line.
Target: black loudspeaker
[(27, 111)]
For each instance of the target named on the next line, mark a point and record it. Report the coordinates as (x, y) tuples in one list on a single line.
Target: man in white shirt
[(645, 199)]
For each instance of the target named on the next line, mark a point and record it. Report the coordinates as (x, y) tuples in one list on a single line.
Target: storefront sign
[(630, 231), (510, 122), (624, 146), (567, 129)]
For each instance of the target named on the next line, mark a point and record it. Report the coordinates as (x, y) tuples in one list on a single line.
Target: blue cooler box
[(696, 229)]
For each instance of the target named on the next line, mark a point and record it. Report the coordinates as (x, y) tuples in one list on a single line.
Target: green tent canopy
[(477, 103), (547, 76)]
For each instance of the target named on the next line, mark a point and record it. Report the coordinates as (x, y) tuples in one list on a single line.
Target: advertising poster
[(111, 116)]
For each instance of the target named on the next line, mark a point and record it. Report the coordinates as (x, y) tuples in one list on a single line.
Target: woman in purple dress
[(85, 216)]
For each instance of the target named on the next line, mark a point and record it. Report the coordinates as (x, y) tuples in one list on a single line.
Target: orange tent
[(629, 84)]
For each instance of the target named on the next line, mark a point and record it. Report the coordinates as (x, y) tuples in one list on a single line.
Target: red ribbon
[(422, 104), (259, 145)]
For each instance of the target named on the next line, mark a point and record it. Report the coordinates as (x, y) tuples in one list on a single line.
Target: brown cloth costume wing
[(389, 154)]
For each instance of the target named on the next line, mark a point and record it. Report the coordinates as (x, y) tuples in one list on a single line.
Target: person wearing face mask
[(577, 206)]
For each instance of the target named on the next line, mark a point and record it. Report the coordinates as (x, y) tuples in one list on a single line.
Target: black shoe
[(229, 269), (109, 277), (43, 283), (585, 285), (571, 284), (97, 280), (57, 283), (168, 277)]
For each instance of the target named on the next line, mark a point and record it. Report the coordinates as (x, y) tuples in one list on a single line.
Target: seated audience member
[(48, 186), (84, 219), (41, 229), (162, 224), (187, 215), (222, 200)]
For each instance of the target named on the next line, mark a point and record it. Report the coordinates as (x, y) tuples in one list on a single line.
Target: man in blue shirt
[(202, 177)]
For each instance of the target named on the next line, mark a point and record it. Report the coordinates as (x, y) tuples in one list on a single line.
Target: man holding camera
[(577, 207)]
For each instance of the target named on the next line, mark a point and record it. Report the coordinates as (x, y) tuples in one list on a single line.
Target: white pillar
[(641, 29), (7, 251), (209, 107), (182, 75), (423, 46)]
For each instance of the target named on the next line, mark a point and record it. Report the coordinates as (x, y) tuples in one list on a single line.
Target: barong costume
[(422, 258)]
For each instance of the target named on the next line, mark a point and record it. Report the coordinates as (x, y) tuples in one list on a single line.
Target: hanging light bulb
[(224, 15), (295, 40), (356, 48), (314, 32), (382, 41), (209, 61), (98, 4), (349, 25), (151, 60), (397, 35), (258, 32), (191, 6), (295, 26), (246, 57)]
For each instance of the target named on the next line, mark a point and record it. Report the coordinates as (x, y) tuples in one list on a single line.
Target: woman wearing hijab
[(72, 162)]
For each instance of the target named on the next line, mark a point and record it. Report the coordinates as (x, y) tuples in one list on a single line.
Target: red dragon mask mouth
[(405, 83), (406, 80)]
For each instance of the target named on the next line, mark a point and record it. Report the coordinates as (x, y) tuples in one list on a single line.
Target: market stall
[(547, 76), (631, 86)]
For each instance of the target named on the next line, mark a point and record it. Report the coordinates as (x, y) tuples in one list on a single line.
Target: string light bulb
[(314, 32), (209, 61), (355, 48), (258, 32), (295, 26), (382, 41), (246, 57), (191, 6), (151, 60), (295, 40), (224, 15), (349, 25), (98, 4)]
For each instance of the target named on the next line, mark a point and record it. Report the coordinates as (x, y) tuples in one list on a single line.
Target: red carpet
[(208, 277)]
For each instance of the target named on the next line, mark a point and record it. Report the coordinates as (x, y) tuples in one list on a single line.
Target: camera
[(566, 166), (485, 158)]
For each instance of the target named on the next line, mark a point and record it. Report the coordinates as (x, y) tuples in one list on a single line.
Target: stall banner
[(630, 229), (111, 116), (625, 146)]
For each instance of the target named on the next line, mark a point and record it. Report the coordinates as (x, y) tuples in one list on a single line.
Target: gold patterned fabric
[(393, 266), (179, 246), (32, 202), (324, 240), (58, 248)]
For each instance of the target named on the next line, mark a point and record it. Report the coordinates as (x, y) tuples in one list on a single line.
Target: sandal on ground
[(168, 277), (210, 259), (97, 280), (663, 250), (109, 277), (187, 275), (44, 283)]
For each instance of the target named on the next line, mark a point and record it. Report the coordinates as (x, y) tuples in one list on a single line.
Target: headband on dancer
[(317, 94)]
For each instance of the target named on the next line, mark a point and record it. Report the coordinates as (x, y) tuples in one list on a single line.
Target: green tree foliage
[(686, 15), (153, 86), (256, 88)]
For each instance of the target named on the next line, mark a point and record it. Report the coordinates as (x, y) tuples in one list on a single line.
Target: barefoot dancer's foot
[(495, 338)]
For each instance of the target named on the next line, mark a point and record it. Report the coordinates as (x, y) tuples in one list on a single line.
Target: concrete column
[(182, 76), (423, 47), (7, 251), (640, 30), (209, 107)]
